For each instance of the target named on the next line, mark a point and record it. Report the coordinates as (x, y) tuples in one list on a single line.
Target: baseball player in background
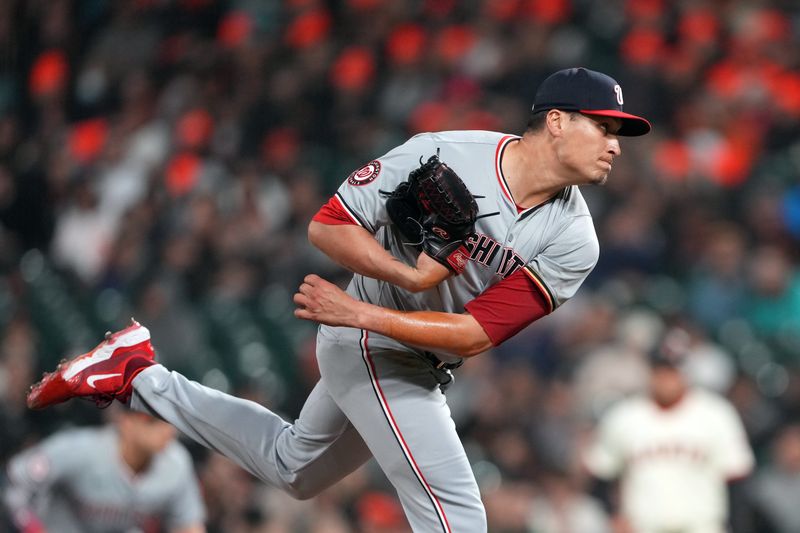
[(388, 344), (131, 476), (674, 451)]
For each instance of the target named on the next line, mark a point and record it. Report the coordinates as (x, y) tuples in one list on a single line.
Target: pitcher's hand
[(322, 301), (429, 273)]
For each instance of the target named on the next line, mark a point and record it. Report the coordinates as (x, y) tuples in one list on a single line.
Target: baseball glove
[(435, 211)]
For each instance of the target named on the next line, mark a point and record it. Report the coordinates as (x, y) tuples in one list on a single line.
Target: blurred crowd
[(162, 158)]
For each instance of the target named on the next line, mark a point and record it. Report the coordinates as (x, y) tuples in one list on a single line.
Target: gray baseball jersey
[(379, 398), (554, 243), (76, 482)]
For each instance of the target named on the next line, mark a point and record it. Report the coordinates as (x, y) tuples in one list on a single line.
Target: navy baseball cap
[(587, 91), (672, 349)]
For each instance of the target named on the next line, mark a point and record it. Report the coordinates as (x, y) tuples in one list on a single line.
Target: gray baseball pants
[(368, 403)]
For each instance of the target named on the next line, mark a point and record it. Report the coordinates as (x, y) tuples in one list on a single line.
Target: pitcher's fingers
[(301, 299), (303, 314), (304, 288)]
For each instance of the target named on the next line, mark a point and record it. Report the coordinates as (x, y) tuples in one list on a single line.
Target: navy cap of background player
[(671, 350), (587, 91), (662, 360)]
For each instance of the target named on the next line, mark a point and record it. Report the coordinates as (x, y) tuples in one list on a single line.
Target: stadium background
[(161, 159)]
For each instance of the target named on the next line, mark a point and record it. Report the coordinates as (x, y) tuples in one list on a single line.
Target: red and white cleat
[(102, 375)]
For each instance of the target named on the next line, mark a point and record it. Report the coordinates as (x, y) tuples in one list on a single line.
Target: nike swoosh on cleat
[(91, 380)]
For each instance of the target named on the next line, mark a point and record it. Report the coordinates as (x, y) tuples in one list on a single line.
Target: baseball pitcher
[(457, 241)]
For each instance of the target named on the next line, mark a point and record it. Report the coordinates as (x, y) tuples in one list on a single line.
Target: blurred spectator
[(230, 495), (83, 234), (774, 302), (760, 415), (619, 368), (508, 507), (706, 364), (380, 513), (562, 506), (717, 286), (775, 489), (17, 368)]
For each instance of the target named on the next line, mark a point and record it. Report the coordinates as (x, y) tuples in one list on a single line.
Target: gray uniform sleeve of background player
[(359, 193), (186, 504), (565, 263), (36, 469), (39, 467)]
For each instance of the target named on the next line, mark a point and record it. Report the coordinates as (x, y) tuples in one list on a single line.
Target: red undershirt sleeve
[(333, 213), (507, 307)]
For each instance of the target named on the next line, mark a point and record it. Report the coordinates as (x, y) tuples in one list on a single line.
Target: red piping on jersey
[(335, 213), (499, 171), (501, 146), (399, 436), (347, 209)]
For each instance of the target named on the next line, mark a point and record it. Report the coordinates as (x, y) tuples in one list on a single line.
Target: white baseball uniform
[(76, 482), (378, 397), (673, 462)]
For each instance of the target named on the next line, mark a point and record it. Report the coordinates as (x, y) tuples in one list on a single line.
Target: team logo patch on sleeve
[(38, 467), (365, 174)]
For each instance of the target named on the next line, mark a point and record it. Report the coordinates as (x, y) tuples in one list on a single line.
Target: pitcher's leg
[(302, 458), (398, 409), (429, 467)]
